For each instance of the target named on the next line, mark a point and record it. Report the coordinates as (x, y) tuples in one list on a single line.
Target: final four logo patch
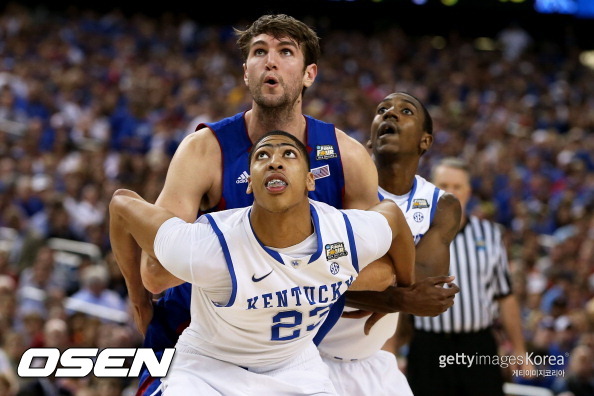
[(420, 203), (325, 151), (335, 250)]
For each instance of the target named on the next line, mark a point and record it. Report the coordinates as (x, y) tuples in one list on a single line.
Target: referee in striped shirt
[(441, 346)]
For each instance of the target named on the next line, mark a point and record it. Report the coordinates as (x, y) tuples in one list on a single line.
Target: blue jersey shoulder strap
[(326, 164), (235, 143)]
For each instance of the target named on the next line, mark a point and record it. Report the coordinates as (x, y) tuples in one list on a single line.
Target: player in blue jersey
[(253, 335), (209, 169), (401, 132)]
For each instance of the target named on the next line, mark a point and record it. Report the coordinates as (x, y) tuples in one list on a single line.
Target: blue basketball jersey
[(172, 311), (235, 144)]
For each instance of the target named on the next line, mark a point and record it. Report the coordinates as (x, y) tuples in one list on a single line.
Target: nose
[(390, 113), (271, 61), (275, 162)]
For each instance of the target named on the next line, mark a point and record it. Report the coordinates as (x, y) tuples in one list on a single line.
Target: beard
[(275, 105)]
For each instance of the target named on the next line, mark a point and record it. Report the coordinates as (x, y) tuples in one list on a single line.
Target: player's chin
[(386, 149)]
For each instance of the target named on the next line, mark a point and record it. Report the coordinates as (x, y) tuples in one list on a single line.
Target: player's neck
[(397, 177), (260, 121), (282, 229)]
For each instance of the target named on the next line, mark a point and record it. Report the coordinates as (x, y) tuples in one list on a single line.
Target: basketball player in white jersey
[(401, 132), (264, 277)]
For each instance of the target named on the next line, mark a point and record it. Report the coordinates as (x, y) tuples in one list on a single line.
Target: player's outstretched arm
[(426, 297), (133, 227), (397, 266)]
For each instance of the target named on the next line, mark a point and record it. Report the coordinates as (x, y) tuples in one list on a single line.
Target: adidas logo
[(243, 178)]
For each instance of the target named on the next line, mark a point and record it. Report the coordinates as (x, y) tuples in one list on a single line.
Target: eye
[(407, 111), (382, 110), (259, 52), (290, 154), (261, 155), (286, 52)]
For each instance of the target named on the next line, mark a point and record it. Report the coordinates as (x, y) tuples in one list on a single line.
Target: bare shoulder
[(201, 142), (350, 147), (449, 203), (360, 173), (448, 215), (192, 177)]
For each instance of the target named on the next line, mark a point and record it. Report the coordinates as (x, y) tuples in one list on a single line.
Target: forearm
[(127, 255), (387, 301), (133, 226), (426, 297), (512, 323), (433, 257), (155, 277), (377, 276), (402, 254)]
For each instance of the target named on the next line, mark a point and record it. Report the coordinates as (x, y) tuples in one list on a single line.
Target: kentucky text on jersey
[(299, 296)]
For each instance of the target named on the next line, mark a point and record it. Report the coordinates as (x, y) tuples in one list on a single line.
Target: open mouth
[(270, 81), (276, 184), (386, 129)]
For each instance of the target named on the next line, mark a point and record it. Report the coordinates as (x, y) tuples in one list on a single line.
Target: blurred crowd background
[(91, 102)]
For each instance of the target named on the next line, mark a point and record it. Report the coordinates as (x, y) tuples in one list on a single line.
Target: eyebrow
[(276, 145), (389, 101), (281, 43)]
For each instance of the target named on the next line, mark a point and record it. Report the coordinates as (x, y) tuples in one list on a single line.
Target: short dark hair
[(279, 26), (300, 146)]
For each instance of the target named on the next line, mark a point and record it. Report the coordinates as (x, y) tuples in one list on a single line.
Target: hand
[(429, 297), (142, 311)]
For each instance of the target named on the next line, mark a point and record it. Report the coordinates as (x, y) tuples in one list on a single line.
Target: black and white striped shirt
[(478, 259)]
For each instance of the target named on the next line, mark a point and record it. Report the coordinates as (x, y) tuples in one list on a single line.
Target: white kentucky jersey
[(276, 302), (347, 340)]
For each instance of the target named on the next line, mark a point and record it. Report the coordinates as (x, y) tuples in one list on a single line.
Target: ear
[(426, 142), (245, 77), (368, 144), (310, 182), (249, 188), (311, 71)]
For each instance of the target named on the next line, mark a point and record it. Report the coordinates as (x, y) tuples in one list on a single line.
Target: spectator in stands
[(579, 377), (38, 282), (94, 294)]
